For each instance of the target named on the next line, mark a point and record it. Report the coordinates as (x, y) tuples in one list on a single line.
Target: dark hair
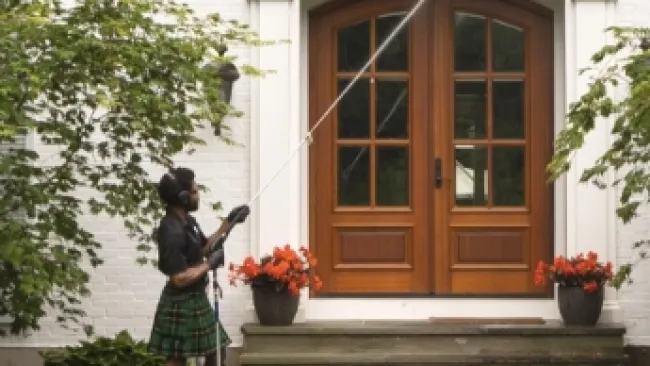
[(172, 183)]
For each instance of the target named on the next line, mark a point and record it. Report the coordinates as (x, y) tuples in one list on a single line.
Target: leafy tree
[(111, 84), (625, 63)]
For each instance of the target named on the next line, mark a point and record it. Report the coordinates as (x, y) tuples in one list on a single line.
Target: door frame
[(439, 255)]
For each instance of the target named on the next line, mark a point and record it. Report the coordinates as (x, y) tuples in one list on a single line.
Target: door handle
[(437, 172)]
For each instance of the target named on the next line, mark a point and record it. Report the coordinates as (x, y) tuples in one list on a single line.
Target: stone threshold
[(361, 327)]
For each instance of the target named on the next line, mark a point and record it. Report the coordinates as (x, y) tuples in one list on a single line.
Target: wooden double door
[(429, 175)]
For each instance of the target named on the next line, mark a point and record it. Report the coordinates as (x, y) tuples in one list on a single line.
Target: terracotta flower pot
[(273, 307), (579, 307)]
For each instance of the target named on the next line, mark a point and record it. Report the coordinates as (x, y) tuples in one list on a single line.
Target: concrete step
[(421, 359), (351, 337)]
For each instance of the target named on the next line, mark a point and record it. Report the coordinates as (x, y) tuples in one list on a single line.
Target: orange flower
[(592, 256), (582, 270), (540, 273), (297, 265), (293, 288), (317, 284), (591, 286), (249, 268), (568, 269), (285, 266)]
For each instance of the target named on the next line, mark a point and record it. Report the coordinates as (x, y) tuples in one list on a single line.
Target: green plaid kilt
[(184, 326)]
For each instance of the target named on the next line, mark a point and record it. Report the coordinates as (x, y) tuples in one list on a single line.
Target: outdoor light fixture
[(228, 74), (645, 43)]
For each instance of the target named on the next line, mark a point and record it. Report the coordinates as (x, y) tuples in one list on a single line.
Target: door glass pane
[(353, 46), (508, 109), (471, 176), (470, 42), (470, 103), (354, 110), (392, 109), (354, 176), (392, 176), (508, 47), (509, 165), (395, 56)]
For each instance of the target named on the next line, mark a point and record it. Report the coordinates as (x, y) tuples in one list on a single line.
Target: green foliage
[(110, 86), (624, 64), (119, 351)]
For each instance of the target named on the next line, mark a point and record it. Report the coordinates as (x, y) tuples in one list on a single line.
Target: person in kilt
[(184, 325)]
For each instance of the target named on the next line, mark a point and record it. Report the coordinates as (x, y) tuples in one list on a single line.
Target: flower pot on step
[(277, 308), (579, 307)]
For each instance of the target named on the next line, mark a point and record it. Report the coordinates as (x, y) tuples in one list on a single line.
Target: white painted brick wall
[(635, 299), (125, 294)]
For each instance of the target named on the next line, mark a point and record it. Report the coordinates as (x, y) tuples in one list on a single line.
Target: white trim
[(302, 100), (254, 142), (560, 41), (612, 296), (414, 309), (590, 209), (297, 129), (274, 127)]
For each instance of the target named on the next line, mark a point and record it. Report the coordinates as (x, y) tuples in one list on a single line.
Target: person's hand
[(215, 259), (238, 214)]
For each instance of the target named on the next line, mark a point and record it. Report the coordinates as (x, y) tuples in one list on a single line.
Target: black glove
[(238, 214), (215, 259)]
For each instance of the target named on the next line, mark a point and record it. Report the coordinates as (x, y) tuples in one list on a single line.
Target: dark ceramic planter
[(275, 308), (578, 307)]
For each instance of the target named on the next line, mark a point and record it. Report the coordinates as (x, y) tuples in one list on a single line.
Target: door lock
[(437, 173)]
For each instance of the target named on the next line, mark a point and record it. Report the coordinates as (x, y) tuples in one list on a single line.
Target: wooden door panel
[(495, 147), (490, 259), (373, 248), (369, 206)]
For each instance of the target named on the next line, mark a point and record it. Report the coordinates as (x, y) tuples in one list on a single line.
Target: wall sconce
[(227, 73), (644, 45)]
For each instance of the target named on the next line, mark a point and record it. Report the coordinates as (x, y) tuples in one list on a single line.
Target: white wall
[(635, 299), (124, 293)]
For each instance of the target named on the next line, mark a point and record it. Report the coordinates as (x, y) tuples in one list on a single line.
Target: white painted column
[(591, 218), (277, 130), (272, 127)]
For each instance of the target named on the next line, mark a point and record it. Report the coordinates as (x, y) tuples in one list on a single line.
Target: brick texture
[(635, 299)]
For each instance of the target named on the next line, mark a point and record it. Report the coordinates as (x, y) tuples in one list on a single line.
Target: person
[(184, 324)]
